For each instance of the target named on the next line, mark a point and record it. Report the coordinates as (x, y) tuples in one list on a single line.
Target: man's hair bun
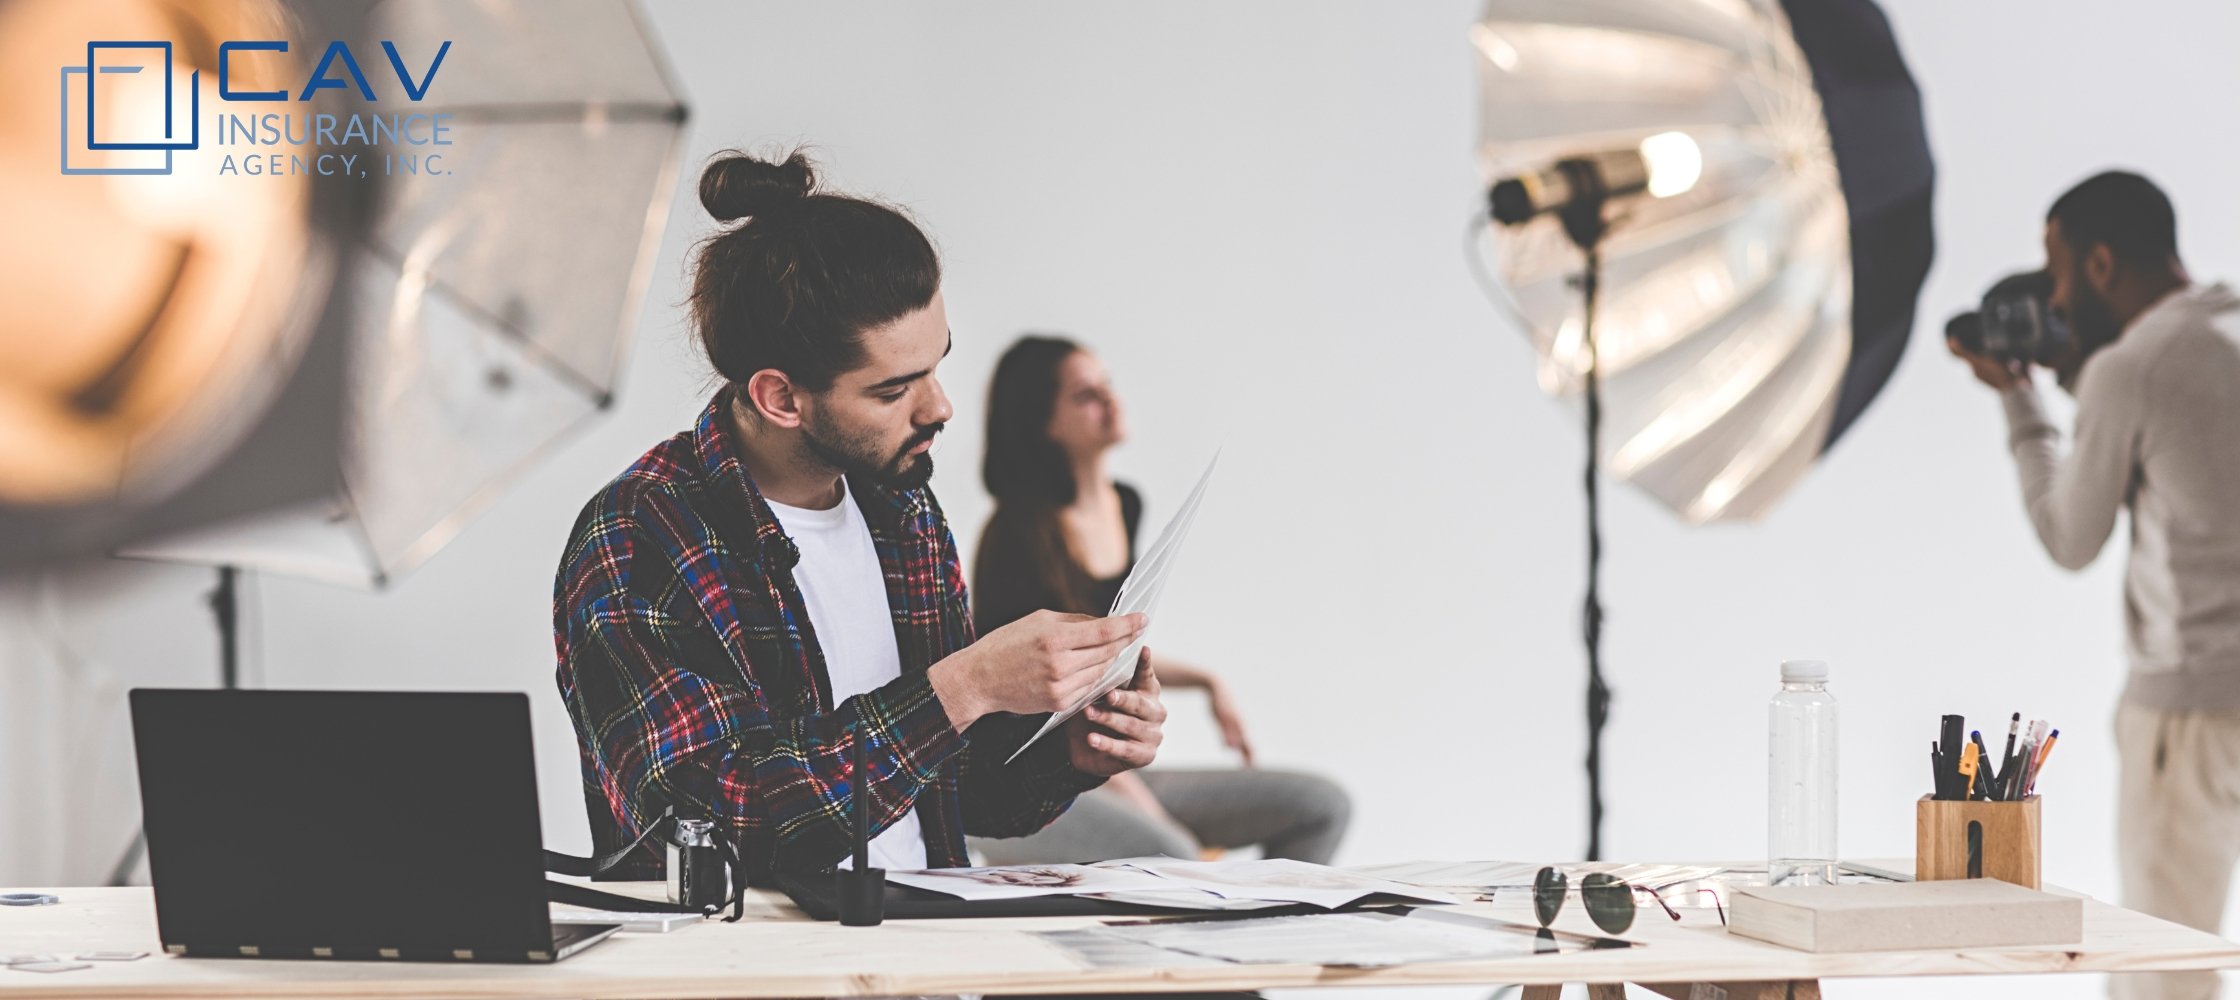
[(739, 186), (795, 289)]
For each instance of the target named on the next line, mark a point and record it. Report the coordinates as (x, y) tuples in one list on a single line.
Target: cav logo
[(120, 112)]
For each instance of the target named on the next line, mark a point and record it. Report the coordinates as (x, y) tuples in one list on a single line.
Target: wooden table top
[(775, 952)]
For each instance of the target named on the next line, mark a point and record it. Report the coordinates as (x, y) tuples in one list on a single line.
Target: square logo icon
[(122, 113)]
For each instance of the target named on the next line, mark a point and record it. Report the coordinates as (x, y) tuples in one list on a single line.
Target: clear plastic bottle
[(1801, 769)]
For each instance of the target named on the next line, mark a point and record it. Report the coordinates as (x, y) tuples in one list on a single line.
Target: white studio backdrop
[(1254, 212)]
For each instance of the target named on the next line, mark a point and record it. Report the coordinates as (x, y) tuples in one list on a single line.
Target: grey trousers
[(1286, 813)]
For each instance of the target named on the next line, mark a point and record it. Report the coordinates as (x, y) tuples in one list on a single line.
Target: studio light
[(1663, 165), (172, 352), (1712, 219)]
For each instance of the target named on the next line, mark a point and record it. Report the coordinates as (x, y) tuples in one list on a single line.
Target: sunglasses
[(1608, 899)]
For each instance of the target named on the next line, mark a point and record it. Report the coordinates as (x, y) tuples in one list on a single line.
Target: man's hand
[(1122, 730), (1041, 663), (2000, 375)]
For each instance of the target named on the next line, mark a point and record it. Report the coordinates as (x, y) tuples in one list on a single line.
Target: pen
[(1936, 772), (2008, 775), (1983, 764)]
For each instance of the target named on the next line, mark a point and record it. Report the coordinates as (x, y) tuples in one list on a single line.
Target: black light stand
[(1582, 191), (225, 606)]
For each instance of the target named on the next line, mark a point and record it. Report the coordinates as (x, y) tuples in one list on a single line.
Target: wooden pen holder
[(1968, 839)]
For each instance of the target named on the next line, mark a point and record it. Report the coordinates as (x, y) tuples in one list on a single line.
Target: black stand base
[(863, 896)]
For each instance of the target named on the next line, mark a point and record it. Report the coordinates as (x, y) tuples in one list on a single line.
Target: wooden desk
[(775, 952)]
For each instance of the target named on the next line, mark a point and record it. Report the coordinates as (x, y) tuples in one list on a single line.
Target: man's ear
[(2100, 268), (772, 396)]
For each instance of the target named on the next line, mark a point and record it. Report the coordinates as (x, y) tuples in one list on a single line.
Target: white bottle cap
[(1804, 671)]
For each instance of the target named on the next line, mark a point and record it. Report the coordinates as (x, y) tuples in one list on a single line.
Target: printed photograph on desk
[(1023, 881)]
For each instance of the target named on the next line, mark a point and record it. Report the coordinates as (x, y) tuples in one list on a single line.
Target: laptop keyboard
[(567, 938), (642, 922)]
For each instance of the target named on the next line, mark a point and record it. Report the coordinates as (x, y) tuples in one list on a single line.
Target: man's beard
[(2092, 326), (861, 457)]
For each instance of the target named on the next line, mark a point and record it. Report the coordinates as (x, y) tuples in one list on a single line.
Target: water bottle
[(1801, 767)]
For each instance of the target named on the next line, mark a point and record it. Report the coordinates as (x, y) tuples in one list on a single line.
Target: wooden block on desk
[(1906, 916)]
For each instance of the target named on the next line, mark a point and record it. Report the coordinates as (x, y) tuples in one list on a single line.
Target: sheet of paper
[(1358, 940), (1277, 879), (1486, 876), (1021, 881), (1139, 592), (1459, 875)]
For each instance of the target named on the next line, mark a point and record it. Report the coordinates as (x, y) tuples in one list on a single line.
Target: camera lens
[(1966, 330)]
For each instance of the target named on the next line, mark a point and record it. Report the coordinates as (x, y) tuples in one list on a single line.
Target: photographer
[(2154, 363)]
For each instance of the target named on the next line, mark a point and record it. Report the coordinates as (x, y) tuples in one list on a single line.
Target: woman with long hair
[(1062, 538)]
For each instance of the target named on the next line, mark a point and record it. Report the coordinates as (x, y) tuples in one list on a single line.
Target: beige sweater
[(2158, 431)]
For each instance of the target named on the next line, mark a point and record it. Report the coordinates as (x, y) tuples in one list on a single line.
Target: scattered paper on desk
[(1487, 876), (1278, 879), (1461, 875), (1022, 881), (1188, 899), (1356, 940), (1138, 593)]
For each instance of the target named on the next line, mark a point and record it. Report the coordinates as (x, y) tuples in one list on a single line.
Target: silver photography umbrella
[(500, 278), (1729, 348)]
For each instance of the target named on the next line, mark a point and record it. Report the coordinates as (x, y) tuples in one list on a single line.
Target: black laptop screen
[(288, 821)]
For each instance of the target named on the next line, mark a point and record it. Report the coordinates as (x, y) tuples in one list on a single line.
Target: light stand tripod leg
[(225, 606)]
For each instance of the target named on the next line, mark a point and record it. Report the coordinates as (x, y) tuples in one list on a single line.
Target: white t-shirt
[(847, 597)]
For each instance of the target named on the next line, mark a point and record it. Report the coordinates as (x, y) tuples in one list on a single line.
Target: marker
[(2043, 753), (1950, 730)]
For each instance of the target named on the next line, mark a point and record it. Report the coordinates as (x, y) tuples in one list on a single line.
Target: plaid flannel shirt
[(694, 678)]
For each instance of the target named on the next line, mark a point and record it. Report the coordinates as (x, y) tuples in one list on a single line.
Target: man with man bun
[(755, 594)]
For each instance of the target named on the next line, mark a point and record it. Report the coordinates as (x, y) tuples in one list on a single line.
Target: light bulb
[(1675, 163)]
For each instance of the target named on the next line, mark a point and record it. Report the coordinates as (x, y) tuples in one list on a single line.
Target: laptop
[(346, 825)]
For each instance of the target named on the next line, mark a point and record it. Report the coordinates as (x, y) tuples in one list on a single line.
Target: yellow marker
[(1968, 767)]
